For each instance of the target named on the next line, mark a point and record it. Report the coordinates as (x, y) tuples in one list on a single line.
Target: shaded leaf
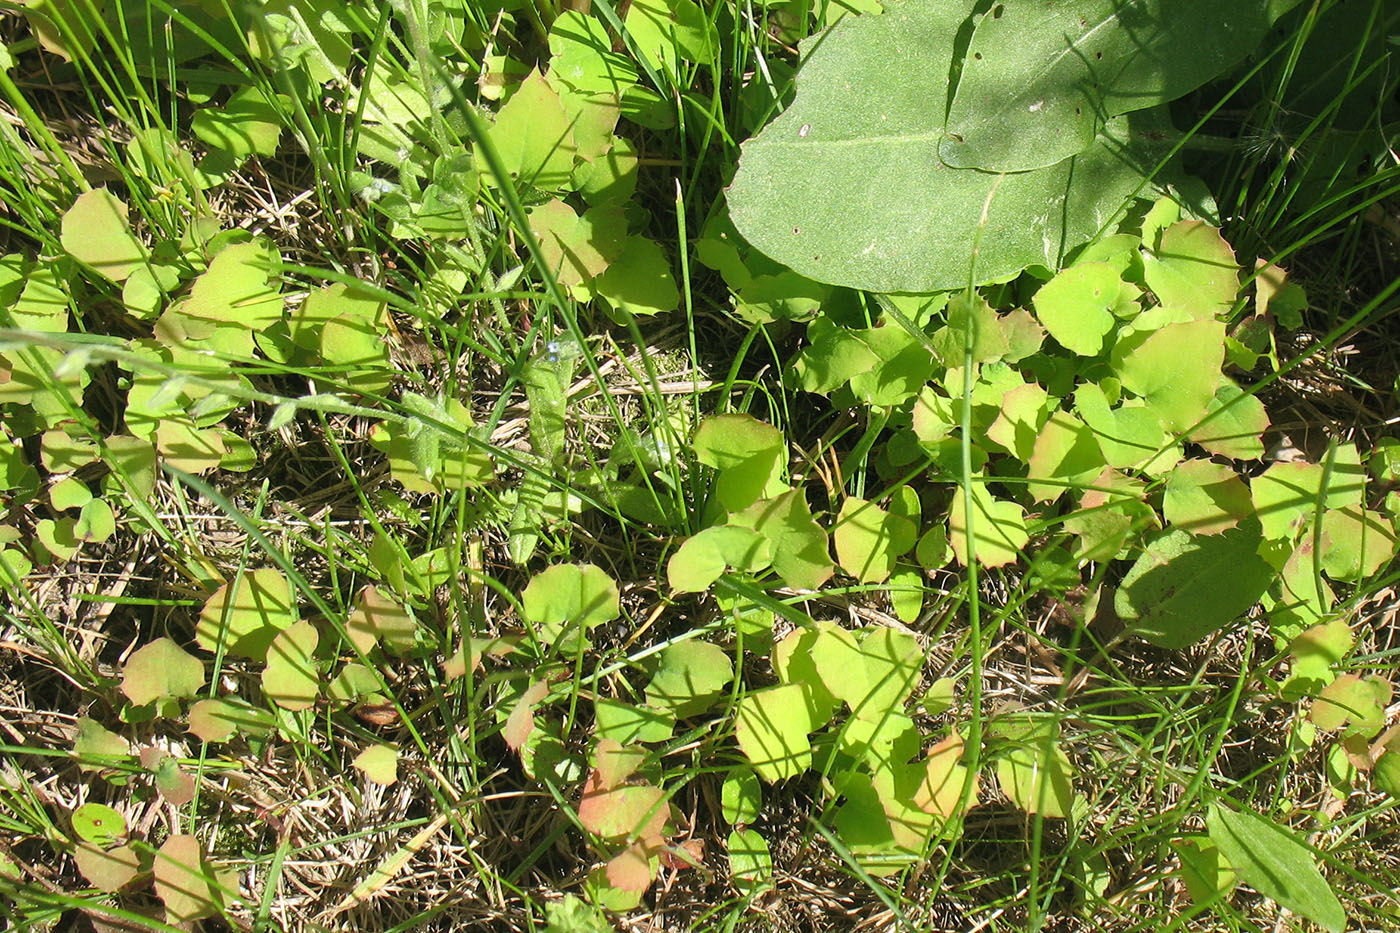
[(1273, 862)]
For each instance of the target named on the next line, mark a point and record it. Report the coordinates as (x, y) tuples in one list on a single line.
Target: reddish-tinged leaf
[(521, 721)]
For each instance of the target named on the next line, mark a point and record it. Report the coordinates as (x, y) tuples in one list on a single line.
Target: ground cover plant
[(491, 464)]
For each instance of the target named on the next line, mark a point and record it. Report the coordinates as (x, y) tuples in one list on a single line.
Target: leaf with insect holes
[(159, 670), (1276, 864), (703, 558), (1205, 498), (998, 529), (221, 719), (565, 601), (870, 540), (1038, 80), (533, 137), (379, 763), (691, 676), (246, 614), (184, 881), (1077, 306), (800, 546), (1193, 269), (109, 870), (95, 231), (98, 824), (749, 455), (1184, 587), (380, 619), (290, 678), (772, 727)]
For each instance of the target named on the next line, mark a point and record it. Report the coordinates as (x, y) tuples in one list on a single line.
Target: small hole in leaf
[(955, 137), (796, 231), (977, 55), (997, 11), (1098, 56)]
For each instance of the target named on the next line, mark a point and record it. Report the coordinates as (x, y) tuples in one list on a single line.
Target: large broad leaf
[(846, 186), (1039, 78), (1186, 586), (1275, 864)]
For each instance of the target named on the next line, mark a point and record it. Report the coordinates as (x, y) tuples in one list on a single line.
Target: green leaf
[(1356, 703), (741, 797), (772, 727), (667, 31), (244, 125), (221, 719), (749, 455), (582, 59), (565, 601), (1386, 775), (1128, 435), (628, 724), (1271, 860), (1356, 543), (704, 557), (849, 189), (95, 231), (691, 677), (640, 282), (290, 679), (870, 540), (241, 289), (98, 824), (998, 529), (1066, 455), (1205, 498), (1076, 306), (1037, 80), (577, 248), (246, 614), (1289, 493), (1175, 369), (160, 670), (1023, 412), (1184, 587), (1205, 873), (379, 763), (534, 138), (1034, 771), (1237, 431), (749, 861), (800, 547), (95, 746), (1193, 269)]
